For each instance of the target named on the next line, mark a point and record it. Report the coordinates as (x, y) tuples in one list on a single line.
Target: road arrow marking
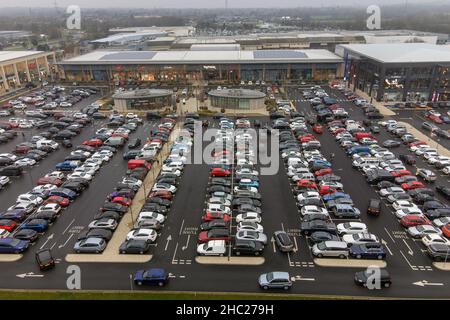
[(172, 275), (424, 283), (68, 226), (50, 237), (410, 252), (68, 239), (385, 244), (29, 275), (167, 243), (187, 243), (295, 243), (300, 278)]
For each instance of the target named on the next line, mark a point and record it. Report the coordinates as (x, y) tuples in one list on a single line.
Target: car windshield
[(14, 242), (321, 246), (269, 276)]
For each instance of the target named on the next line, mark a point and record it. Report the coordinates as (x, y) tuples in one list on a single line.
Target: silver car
[(251, 235), (90, 245), (104, 223)]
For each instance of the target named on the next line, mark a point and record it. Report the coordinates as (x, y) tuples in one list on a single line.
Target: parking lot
[(176, 246)]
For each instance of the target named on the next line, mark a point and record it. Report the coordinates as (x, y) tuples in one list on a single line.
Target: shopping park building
[(204, 64), (19, 67), (398, 72)]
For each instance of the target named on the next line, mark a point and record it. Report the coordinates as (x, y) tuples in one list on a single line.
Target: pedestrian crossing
[(306, 100)]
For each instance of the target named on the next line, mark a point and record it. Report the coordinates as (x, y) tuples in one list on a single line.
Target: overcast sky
[(201, 3)]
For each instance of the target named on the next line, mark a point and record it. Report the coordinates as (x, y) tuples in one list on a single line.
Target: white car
[(44, 188), (163, 186), (423, 230), (245, 188), (251, 226), (403, 204), (434, 160), (440, 222), (221, 201), (79, 175), (360, 238), (408, 211), (434, 238), (171, 171), (4, 180), (148, 235), (248, 217), (11, 156), (84, 170), (389, 191), (80, 152), (102, 157), (25, 162), (247, 171), (387, 123), (50, 207), (106, 153), (105, 223), (97, 162), (145, 215), (313, 210), (212, 248), (308, 195), (29, 198), (129, 180), (56, 174), (351, 228)]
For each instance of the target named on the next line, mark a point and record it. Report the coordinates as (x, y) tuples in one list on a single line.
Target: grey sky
[(201, 3)]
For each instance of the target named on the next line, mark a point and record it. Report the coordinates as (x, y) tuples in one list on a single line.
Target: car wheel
[(286, 287), (358, 256), (238, 253), (139, 283), (380, 257), (256, 253), (160, 283), (342, 256), (437, 259), (77, 251), (122, 252), (265, 287), (387, 285), (320, 255), (141, 252)]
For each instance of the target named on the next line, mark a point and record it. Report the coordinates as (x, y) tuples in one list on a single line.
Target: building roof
[(401, 52), (12, 55), (196, 57), (142, 94), (237, 93), (127, 37)]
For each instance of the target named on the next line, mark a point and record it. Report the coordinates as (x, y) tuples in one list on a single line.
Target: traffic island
[(349, 263), (443, 266), (111, 253), (13, 257), (231, 261)]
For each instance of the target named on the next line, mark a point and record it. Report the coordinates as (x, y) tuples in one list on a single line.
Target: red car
[(412, 185), (22, 149), (93, 143), (337, 131), (49, 180), (401, 173), (323, 172), (446, 230), (318, 129), (210, 216), (417, 143), (120, 134), (63, 202), (163, 194), (122, 200), (306, 184), (412, 220), (219, 172), (7, 224), (435, 119), (308, 138), (214, 234), (324, 190)]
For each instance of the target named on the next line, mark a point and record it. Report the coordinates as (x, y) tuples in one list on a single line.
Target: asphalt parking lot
[(177, 244)]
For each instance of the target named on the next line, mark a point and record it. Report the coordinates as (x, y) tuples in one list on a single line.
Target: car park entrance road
[(413, 273)]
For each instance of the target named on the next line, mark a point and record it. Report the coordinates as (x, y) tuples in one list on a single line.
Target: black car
[(134, 143), (111, 206), (66, 143), (76, 157), (166, 180), (45, 259), (26, 234), (332, 203), (427, 191), (310, 202), (317, 225), (162, 202), (11, 171), (213, 189), (134, 247), (432, 205), (439, 252), (374, 129), (374, 207), (247, 194), (104, 234), (437, 213), (132, 154), (315, 217), (363, 277), (421, 198), (215, 224), (283, 241), (385, 185), (83, 182), (240, 201), (220, 182), (50, 216), (107, 214), (445, 191), (320, 236), (391, 144), (121, 186), (154, 207), (75, 186), (247, 247)]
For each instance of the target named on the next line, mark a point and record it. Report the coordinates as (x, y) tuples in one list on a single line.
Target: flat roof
[(204, 57), (237, 93), (12, 55), (401, 52), (142, 94)]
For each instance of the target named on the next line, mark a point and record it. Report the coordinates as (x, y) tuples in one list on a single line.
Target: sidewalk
[(111, 253)]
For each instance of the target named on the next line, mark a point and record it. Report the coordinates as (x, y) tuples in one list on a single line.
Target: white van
[(361, 162), (47, 143), (212, 248)]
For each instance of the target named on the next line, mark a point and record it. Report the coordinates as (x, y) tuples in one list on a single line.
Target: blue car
[(358, 149), (63, 192), (67, 165), (154, 276), (248, 183), (336, 195), (38, 225), (16, 214), (446, 119), (321, 163), (11, 245), (368, 251)]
